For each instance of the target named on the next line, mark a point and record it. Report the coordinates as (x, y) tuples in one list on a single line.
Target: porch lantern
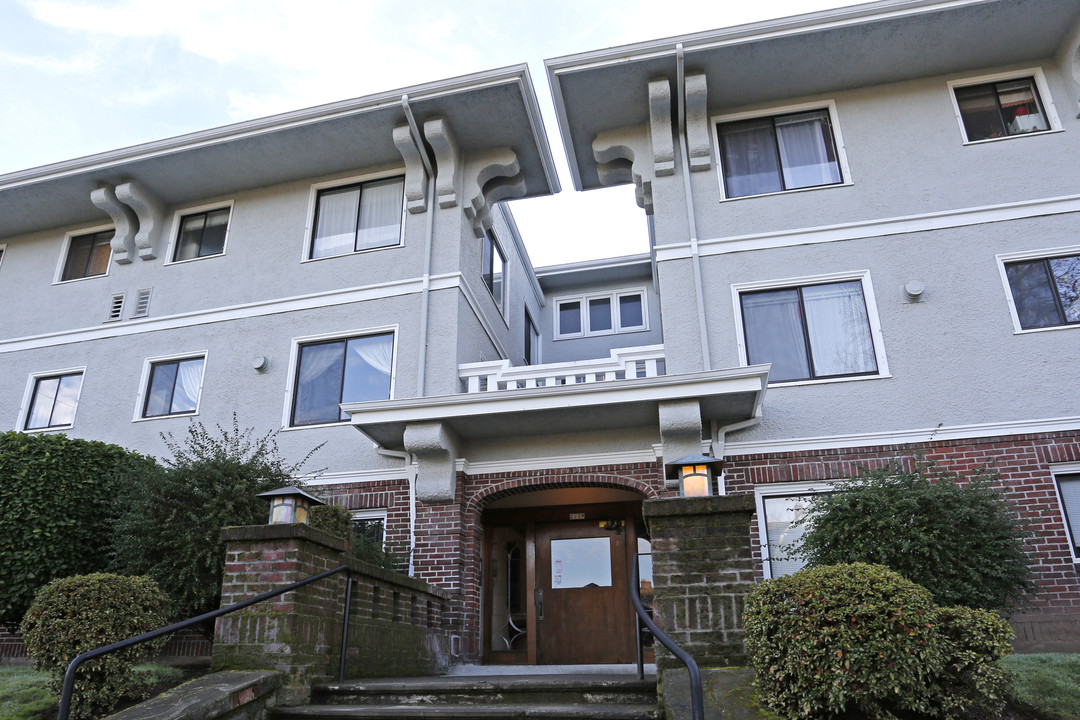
[(290, 505), (695, 473)]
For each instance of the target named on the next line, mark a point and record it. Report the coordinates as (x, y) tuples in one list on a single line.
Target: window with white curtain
[(53, 400), (353, 218), (811, 332), (341, 370), (173, 387), (773, 154)]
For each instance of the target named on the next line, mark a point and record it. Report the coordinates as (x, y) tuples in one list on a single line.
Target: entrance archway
[(557, 574)]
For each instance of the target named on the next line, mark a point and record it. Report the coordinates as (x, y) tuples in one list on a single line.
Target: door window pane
[(581, 562)]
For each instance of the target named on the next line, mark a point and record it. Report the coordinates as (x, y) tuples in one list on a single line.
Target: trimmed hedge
[(77, 614), (844, 638), (55, 509), (336, 520)]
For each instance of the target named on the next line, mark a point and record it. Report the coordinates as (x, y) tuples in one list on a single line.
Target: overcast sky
[(81, 77)]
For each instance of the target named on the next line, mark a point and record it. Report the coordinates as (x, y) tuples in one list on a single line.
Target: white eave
[(725, 396), (486, 109), (828, 51)]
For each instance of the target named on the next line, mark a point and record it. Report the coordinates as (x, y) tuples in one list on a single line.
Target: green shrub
[(960, 540), (55, 495), (76, 614), (170, 525), (333, 519), (842, 638), (336, 520), (972, 682)]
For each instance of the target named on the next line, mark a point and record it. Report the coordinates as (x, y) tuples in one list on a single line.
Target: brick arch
[(555, 481)]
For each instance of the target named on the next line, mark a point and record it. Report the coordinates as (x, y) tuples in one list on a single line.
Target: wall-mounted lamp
[(695, 473), (290, 505)]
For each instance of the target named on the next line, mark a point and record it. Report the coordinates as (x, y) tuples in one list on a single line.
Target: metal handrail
[(696, 698), (69, 676)]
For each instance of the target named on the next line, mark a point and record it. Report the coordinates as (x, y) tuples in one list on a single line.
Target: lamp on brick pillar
[(695, 474), (290, 505)]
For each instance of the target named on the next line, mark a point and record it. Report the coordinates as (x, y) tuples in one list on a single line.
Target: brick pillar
[(298, 632), (702, 571)]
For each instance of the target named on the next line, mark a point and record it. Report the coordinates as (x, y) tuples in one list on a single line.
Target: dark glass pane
[(1020, 107), (213, 238), (318, 383), (774, 333), (749, 158), (1066, 272), (159, 396), (631, 312), (191, 230), (79, 250), (600, 315), (370, 529), (569, 318), (980, 112), (1033, 294)]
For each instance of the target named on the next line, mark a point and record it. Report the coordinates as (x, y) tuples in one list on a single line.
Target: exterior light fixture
[(290, 505), (695, 474)]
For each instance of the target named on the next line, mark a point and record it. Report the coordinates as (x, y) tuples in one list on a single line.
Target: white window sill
[(825, 381), (830, 186)]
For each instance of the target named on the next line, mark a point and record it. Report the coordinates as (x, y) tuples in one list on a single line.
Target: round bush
[(843, 638), (73, 615), (972, 682)]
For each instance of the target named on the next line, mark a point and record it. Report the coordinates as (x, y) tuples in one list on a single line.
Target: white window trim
[(1004, 258), (174, 231), (1040, 85), (372, 514), (67, 246), (144, 385), (780, 490), (313, 202), (862, 276), (1065, 469), (616, 324), (294, 358), (28, 396), (3, 252), (838, 139)]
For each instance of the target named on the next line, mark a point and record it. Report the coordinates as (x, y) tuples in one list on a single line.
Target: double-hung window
[(789, 151), (357, 217), (340, 370), (1045, 291), (994, 107), (600, 314), (87, 255), (370, 527), (813, 330), (493, 269), (201, 234), (173, 386), (53, 400)]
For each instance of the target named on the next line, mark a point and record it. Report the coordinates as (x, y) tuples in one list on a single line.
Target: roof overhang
[(820, 52), (724, 396), (484, 110)]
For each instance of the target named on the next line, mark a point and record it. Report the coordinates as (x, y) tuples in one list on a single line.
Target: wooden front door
[(583, 612)]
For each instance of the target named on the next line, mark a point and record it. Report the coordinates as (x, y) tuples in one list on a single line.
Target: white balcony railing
[(624, 363)]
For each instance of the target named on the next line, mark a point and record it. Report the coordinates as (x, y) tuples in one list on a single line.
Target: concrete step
[(491, 690), (564, 711)]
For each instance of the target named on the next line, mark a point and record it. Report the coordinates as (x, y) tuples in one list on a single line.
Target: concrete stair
[(536, 697)]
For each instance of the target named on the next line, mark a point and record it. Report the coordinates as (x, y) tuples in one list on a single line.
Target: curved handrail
[(696, 698), (69, 676)]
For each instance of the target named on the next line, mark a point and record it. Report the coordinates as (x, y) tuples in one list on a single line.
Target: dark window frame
[(1051, 284), (205, 215), (344, 339), (98, 242), (59, 377), (323, 192), (161, 365), (494, 282), (993, 86)]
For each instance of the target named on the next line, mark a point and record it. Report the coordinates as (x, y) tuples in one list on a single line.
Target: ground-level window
[(340, 370), (779, 509), (173, 387), (812, 331), (370, 526), (1068, 487), (53, 400)]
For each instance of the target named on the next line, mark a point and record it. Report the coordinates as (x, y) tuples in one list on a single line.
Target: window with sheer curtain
[(773, 154), (53, 402), (809, 332), (173, 387), (342, 370), (358, 217)]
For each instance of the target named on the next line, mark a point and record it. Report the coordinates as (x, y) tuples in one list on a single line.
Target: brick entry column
[(702, 572)]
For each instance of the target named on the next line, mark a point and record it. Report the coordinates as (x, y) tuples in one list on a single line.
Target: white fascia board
[(666, 387), (251, 128), (600, 264)]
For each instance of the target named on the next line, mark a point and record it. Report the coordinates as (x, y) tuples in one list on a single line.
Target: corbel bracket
[(124, 222)]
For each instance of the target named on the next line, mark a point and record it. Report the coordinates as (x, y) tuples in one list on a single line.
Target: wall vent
[(142, 303), (116, 307)]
